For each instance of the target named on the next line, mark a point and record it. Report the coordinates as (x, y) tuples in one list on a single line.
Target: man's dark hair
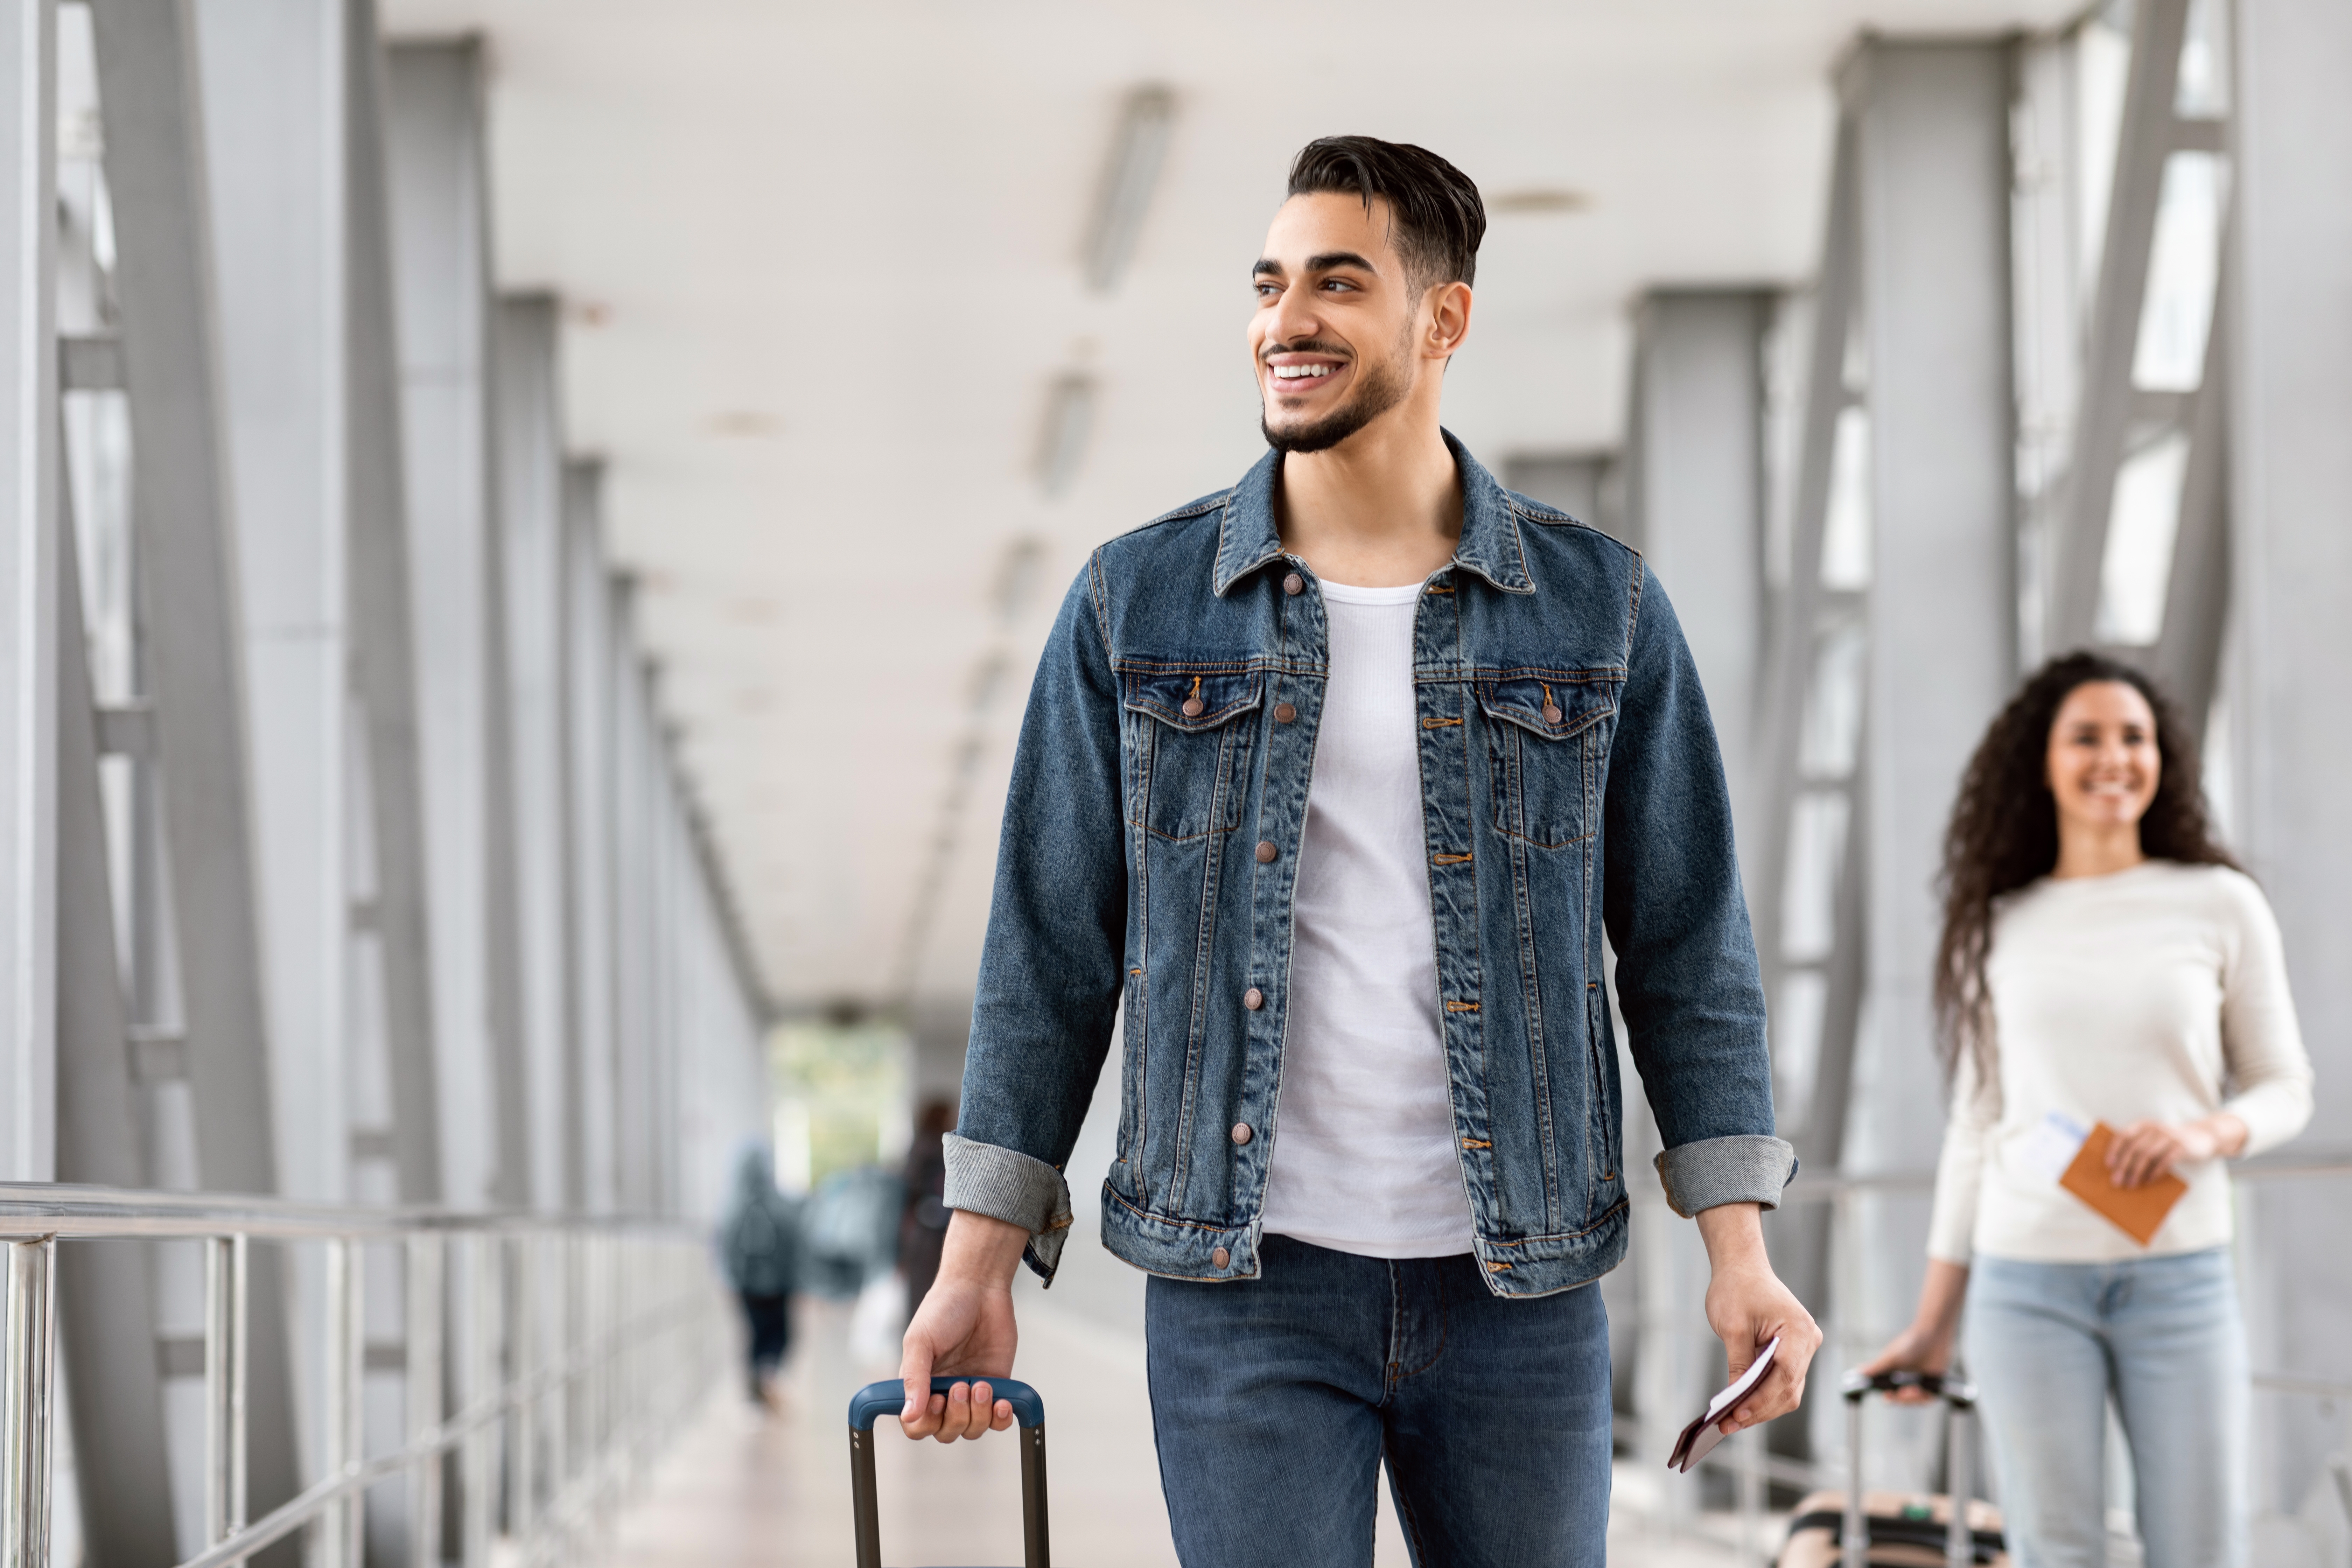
[(1439, 219)]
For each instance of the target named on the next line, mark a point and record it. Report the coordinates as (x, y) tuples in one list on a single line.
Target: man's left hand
[(1748, 1307)]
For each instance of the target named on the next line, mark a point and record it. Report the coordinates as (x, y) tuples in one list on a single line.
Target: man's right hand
[(964, 1326)]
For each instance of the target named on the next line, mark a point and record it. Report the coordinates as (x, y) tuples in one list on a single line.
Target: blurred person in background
[(923, 1224), (2104, 959), (759, 1240), (1369, 1145)]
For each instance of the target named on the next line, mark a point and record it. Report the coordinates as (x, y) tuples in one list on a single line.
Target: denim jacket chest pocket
[(1545, 738), (1187, 748)]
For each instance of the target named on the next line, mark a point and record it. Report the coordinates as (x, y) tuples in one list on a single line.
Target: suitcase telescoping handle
[(878, 1400), (1959, 1398)]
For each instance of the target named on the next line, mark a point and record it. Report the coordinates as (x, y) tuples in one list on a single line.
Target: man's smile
[(1299, 375)]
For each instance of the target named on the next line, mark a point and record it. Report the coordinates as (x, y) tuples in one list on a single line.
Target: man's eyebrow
[(1267, 267)]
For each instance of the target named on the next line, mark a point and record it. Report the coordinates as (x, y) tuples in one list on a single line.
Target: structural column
[(1694, 488), (592, 654), (158, 179), (434, 143), (530, 500), (2290, 316), (1931, 122), (28, 586)]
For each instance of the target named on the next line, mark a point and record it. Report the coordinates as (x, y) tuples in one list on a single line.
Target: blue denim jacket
[(1568, 771)]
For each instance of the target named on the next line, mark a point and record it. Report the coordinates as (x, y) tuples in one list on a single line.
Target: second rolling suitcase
[(1854, 1529)]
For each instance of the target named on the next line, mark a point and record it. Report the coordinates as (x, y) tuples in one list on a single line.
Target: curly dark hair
[(2004, 831)]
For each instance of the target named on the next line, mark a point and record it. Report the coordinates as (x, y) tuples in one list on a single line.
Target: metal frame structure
[(155, 754), (650, 1339), (2115, 416)]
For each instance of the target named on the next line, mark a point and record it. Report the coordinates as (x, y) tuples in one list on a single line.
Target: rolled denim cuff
[(1006, 1184), (1745, 1169)]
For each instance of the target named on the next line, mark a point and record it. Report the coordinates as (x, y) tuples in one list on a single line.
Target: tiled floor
[(745, 1491)]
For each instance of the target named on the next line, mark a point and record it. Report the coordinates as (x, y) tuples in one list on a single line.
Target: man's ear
[(1449, 319)]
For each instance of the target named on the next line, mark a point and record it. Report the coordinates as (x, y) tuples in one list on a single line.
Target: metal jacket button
[(1241, 1133), (1552, 713), (1253, 999), (1283, 713), (1221, 1257), (1193, 707), (1267, 852), (1294, 583)]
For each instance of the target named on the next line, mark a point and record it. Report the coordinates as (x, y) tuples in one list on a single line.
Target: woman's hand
[(1926, 1345), (1922, 1347), (2146, 1150)]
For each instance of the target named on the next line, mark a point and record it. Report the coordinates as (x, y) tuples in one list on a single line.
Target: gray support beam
[(154, 133), (637, 1099), (433, 141), (530, 465), (1932, 122), (380, 612), (2103, 417), (1793, 629), (30, 485), (2290, 469), (2188, 654), (107, 1289), (592, 703), (1694, 491)]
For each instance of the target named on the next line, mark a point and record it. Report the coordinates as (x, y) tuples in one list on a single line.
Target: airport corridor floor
[(748, 1489)]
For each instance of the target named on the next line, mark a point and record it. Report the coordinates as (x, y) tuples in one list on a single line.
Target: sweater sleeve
[(2262, 1042), (1959, 1172)]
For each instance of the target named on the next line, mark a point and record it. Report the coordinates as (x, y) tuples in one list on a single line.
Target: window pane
[(2184, 260), (2140, 528)]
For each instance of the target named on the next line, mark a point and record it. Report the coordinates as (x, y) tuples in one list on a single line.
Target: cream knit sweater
[(2161, 993)]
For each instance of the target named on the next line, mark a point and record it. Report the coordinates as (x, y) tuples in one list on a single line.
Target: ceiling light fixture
[(1137, 151), (1069, 416), (1539, 201)]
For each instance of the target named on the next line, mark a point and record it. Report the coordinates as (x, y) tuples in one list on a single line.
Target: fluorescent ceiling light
[(1136, 154), (1069, 416)]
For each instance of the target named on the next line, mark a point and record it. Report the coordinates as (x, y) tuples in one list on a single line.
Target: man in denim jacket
[(1369, 1139)]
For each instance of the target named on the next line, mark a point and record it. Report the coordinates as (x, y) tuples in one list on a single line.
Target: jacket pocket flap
[(1193, 701), (1553, 709)]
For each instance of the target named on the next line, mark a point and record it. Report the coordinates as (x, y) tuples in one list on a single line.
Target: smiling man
[(1335, 780)]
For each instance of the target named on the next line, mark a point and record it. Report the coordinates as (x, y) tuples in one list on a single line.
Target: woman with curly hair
[(2102, 960)]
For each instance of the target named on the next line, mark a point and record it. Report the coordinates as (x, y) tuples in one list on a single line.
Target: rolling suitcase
[(1854, 1529), (878, 1399)]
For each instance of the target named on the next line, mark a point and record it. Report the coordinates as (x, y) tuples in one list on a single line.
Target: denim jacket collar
[(1490, 545)]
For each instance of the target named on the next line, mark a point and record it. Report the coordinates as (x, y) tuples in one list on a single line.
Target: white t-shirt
[(2157, 993), (1363, 1156)]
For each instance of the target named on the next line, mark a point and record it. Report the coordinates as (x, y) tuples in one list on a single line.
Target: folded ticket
[(1700, 1438)]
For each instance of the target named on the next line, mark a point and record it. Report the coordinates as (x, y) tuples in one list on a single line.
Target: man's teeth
[(1301, 371)]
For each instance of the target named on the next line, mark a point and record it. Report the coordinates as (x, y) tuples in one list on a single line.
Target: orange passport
[(2136, 1211)]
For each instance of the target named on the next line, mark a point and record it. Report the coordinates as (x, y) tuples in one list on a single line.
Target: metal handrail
[(641, 1340), (29, 1210)]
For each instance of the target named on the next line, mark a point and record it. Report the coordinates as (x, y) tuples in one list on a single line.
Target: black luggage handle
[(1957, 1392), (1959, 1395), (878, 1399)]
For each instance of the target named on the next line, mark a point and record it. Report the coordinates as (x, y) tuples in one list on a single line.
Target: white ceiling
[(824, 266)]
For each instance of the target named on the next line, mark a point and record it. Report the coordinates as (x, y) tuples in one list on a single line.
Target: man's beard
[(1379, 389)]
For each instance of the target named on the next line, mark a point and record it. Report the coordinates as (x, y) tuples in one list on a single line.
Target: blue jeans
[(2049, 1343), (1274, 1401)]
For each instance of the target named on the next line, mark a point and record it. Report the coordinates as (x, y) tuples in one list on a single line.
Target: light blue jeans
[(2049, 1343)]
